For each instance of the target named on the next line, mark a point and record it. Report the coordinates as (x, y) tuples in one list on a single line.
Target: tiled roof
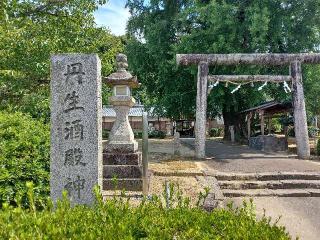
[(135, 111)]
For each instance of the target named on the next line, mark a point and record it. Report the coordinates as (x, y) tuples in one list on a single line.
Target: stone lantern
[(121, 136), (121, 159)]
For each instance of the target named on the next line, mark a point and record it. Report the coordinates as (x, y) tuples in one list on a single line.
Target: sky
[(114, 16)]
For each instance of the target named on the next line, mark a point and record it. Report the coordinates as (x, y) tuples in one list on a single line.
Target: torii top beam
[(244, 58)]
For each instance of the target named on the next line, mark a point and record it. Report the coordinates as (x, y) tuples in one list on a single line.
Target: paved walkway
[(300, 215), (240, 158)]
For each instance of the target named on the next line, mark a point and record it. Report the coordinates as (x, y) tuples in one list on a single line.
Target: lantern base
[(121, 147)]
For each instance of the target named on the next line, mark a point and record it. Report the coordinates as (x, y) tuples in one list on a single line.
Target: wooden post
[(145, 153), (262, 122), (201, 111), (300, 117), (269, 125), (249, 116)]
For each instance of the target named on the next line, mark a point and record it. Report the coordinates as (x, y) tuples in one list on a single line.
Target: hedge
[(117, 219), (24, 156)]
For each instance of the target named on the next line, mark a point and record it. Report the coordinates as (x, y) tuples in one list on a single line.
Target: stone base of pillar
[(121, 147), (122, 168)]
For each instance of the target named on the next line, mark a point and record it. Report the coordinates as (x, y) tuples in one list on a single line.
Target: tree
[(160, 29), (30, 31)]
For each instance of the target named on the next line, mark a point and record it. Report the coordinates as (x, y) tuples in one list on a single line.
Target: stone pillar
[(262, 122), (201, 111), (300, 117), (231, 129), (176, 144), (76, 129)]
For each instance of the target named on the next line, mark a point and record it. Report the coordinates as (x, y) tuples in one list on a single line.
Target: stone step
[(127, 194), (266, 176), (282, 184), (271, 193), (132, 184), (122, 158), (122, 171)]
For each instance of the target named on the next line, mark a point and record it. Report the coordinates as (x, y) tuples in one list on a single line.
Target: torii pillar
[(300, 116), (201, 111)]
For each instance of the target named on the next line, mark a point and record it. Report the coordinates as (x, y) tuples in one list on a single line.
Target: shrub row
[(216, 132), (24, 156), (312, 131), (116, 219)]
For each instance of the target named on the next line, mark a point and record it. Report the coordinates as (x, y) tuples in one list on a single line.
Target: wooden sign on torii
[(293, 60)]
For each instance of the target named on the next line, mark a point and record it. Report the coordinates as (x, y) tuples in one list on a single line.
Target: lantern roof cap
[(122, 76)]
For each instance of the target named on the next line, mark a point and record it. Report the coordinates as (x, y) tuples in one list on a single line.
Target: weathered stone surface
[(268, 143), (250, 184), (121, 130), (266, 192), (282, 184), (264, 176), (215, 196), (122, 171), (300, 116), (232, 136), (121, 147), (176, 144), (122, 159), (247, 58), (201, 112), (300, 175), (314, 192), (76, 138), (301, 184), (120, 184)]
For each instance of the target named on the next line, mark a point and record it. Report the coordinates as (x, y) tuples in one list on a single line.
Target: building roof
[(135, 111), (272, 106)]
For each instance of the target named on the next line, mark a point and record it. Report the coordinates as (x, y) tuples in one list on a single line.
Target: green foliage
[(157, 134), (24, 156), (312, 131), (216, 132), (137, 134), (160, 29), (40, 29), (151, 219), (105, 134)]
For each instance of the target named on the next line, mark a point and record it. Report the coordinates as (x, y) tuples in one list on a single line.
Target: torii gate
[(293, 60)]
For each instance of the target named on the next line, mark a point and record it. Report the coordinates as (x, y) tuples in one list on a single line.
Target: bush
[(137, 134), (313, 131), (105, 134), (157, 134), (215, 132), (151, 219), (24, 156), (291, 132)]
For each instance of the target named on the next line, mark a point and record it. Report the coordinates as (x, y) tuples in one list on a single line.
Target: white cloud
[(113, 15)]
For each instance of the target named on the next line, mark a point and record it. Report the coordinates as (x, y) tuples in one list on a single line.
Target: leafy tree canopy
[(159, 29), (32, 30)]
